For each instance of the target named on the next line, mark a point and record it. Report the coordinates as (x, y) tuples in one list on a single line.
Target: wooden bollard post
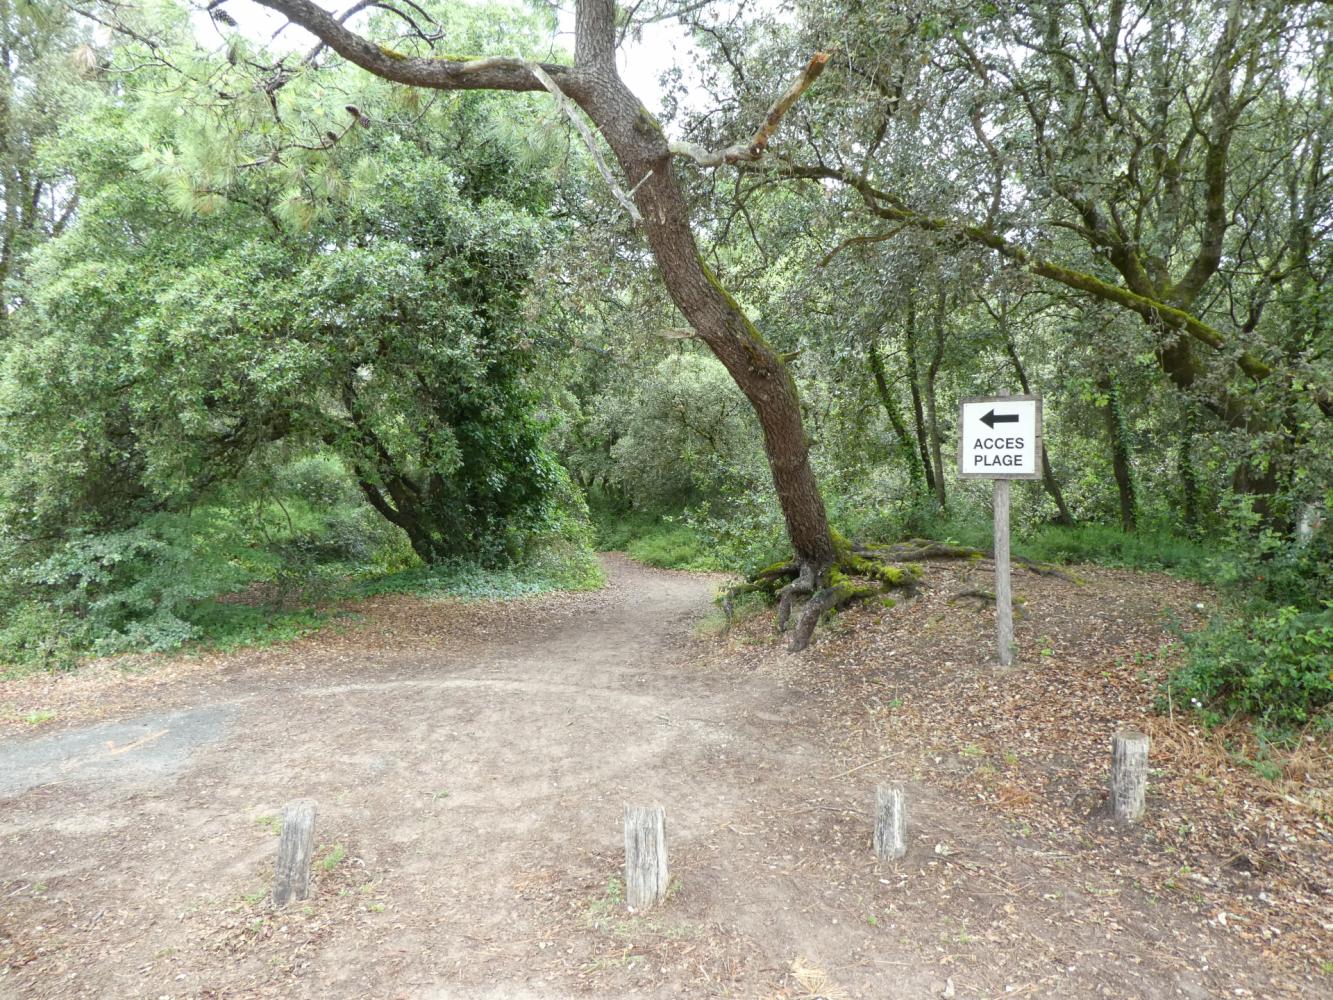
[(890, 822), (291, 878), (1004, 591), (1129, 775), (645, 856)]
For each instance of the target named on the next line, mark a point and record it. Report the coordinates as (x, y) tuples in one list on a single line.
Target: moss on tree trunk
[(860, 572)]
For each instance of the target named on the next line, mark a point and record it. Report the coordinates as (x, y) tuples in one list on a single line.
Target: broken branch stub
[(754, 148), (576, 118)]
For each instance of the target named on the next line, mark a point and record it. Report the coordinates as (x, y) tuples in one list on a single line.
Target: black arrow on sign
[(993, 418)]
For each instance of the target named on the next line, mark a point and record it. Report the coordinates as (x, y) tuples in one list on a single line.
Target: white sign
[(999, 437)]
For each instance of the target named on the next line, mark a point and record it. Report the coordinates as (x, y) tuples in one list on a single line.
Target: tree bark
[(1120, 458), (914, 381), (932, 416), (1189, 475), (906, 447), (1048, 479), (640, 148)]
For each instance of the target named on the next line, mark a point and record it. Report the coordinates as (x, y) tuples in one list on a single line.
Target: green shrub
[(664, 540), (558, 564), (613, 529), (1287, 573), (1106, 545), (572, 569), (304, 535), (321, 480), (304, 573), (228, 624), (674, 546), (36, 636), (132, 589), (1276, 668)]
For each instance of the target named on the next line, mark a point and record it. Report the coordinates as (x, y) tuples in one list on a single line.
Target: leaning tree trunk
[(761, 374), (641, 150)]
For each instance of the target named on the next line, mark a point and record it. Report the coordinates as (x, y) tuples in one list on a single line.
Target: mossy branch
[(887, 206)]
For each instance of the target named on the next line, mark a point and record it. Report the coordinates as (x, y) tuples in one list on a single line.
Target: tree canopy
[(491, 286)]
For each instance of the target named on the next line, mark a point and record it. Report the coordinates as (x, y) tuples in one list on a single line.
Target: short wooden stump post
[(296, 845), (1129, 775), (890, 822), (645, 856)]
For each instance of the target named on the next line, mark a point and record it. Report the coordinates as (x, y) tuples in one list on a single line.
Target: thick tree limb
[(492, 73), (752, 150), (888, 207)]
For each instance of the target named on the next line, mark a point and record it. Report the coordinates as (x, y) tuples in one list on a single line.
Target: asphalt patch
[(142, 749)]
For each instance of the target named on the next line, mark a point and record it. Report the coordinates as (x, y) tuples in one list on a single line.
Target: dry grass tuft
[(814, 982)]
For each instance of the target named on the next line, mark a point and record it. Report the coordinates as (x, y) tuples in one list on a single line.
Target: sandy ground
[(470, 765)]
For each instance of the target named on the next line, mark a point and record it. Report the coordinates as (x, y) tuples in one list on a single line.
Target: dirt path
[(470, 776)]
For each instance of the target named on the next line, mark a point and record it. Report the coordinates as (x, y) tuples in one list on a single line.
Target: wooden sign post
[(999, 438)]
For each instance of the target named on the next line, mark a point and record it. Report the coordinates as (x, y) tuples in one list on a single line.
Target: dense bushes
[(250, 565), (1276, 668), (1268, 653), (110, 592)]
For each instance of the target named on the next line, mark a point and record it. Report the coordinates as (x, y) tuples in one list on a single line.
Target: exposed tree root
[(859, 573), (988, 597)]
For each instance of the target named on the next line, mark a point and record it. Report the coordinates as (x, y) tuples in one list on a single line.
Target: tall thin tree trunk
[(932, 417), (914, 381), (906, 447), (1048, 479), (1118, 433), (1189, 475), (936, 458)]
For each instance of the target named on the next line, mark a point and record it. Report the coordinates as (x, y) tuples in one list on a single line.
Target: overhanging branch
[(493, 73), (860, 241), (886, 206)]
